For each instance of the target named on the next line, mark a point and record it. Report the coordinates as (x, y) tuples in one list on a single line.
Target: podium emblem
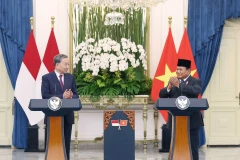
[(182, 102), (54, 103)]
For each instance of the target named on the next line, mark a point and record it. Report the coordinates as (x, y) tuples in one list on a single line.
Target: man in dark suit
[(185, 85), (61, 84)]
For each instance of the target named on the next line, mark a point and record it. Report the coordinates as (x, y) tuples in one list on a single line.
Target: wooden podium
[(55, 149), (180, 142)]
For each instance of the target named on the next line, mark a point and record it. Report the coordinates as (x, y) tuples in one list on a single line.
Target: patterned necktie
[(61, 82)]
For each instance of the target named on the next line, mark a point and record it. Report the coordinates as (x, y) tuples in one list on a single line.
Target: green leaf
[(124, 86), (111, 92), (133, 88), (117, 81), (101, 83)]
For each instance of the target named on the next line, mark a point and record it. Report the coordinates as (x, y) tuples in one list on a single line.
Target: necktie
[(61, 82), (182, 81)]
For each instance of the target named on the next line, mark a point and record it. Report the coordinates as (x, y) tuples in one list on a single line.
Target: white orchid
[(108, 54)]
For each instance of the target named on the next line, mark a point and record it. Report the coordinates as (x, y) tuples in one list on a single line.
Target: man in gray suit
[(185, 85)]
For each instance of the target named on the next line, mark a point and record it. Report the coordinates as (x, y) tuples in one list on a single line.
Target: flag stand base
[(32, 139)]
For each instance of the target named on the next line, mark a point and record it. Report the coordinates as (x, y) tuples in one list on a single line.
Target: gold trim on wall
[(148, 35), (70, 37)]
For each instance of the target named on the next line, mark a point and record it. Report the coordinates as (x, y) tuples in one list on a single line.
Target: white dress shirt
[(58, 74)]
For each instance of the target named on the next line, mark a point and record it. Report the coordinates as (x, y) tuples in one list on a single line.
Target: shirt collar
[(58, 74), (186, 78)]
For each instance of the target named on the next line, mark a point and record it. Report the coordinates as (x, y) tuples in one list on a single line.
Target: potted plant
[(108, 68)]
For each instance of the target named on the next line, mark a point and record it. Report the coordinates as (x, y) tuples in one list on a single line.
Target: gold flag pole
[(70, 37), (52, 21), (185, 22), (31, 23), (148, 40), (170, 21)]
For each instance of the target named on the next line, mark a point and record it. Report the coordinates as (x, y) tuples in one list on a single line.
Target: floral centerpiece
[(108, 68)]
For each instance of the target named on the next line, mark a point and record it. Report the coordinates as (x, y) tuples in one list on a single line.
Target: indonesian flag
[(47, 63), (115, 122), (51, 51), (26, 80), (166, 69)]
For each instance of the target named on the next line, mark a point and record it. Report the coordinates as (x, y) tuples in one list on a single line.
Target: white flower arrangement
[(108, 54)]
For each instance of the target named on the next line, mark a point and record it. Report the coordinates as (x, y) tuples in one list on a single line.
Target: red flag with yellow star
[(166, 69), (185, 52)]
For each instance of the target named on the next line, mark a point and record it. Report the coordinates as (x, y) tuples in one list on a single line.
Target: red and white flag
[(47, 63), (115, 122), (26, 80)]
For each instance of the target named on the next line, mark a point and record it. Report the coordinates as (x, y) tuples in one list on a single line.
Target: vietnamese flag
[(185, 52), (123, 122), (166, 69)]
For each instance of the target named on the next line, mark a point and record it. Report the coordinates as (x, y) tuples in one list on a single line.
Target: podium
[(180, 142), (55, 149)]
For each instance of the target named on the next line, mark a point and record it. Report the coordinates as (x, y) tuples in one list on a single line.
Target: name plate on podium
[(119, 135)]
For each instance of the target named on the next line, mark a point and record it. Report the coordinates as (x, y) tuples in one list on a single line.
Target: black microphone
[(180, 85), (55, 90)]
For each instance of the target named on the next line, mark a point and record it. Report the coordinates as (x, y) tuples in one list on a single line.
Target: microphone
[(55, 90), (180, 85)]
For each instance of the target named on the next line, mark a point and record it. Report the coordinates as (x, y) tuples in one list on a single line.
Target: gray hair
[(58, 58)]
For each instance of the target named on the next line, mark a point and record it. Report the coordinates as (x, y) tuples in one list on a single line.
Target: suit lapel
[(189, 80), (65, 82), (56, 82)]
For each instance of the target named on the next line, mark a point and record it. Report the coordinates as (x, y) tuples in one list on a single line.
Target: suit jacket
[(191, 88), (51, 87)]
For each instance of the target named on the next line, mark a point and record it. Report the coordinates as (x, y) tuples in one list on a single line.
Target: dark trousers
[(67, 135), (194, 137)]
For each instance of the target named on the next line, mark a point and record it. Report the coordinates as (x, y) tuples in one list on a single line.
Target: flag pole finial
[(52, 21), (31, 22), (185, 22), (170, 21)]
